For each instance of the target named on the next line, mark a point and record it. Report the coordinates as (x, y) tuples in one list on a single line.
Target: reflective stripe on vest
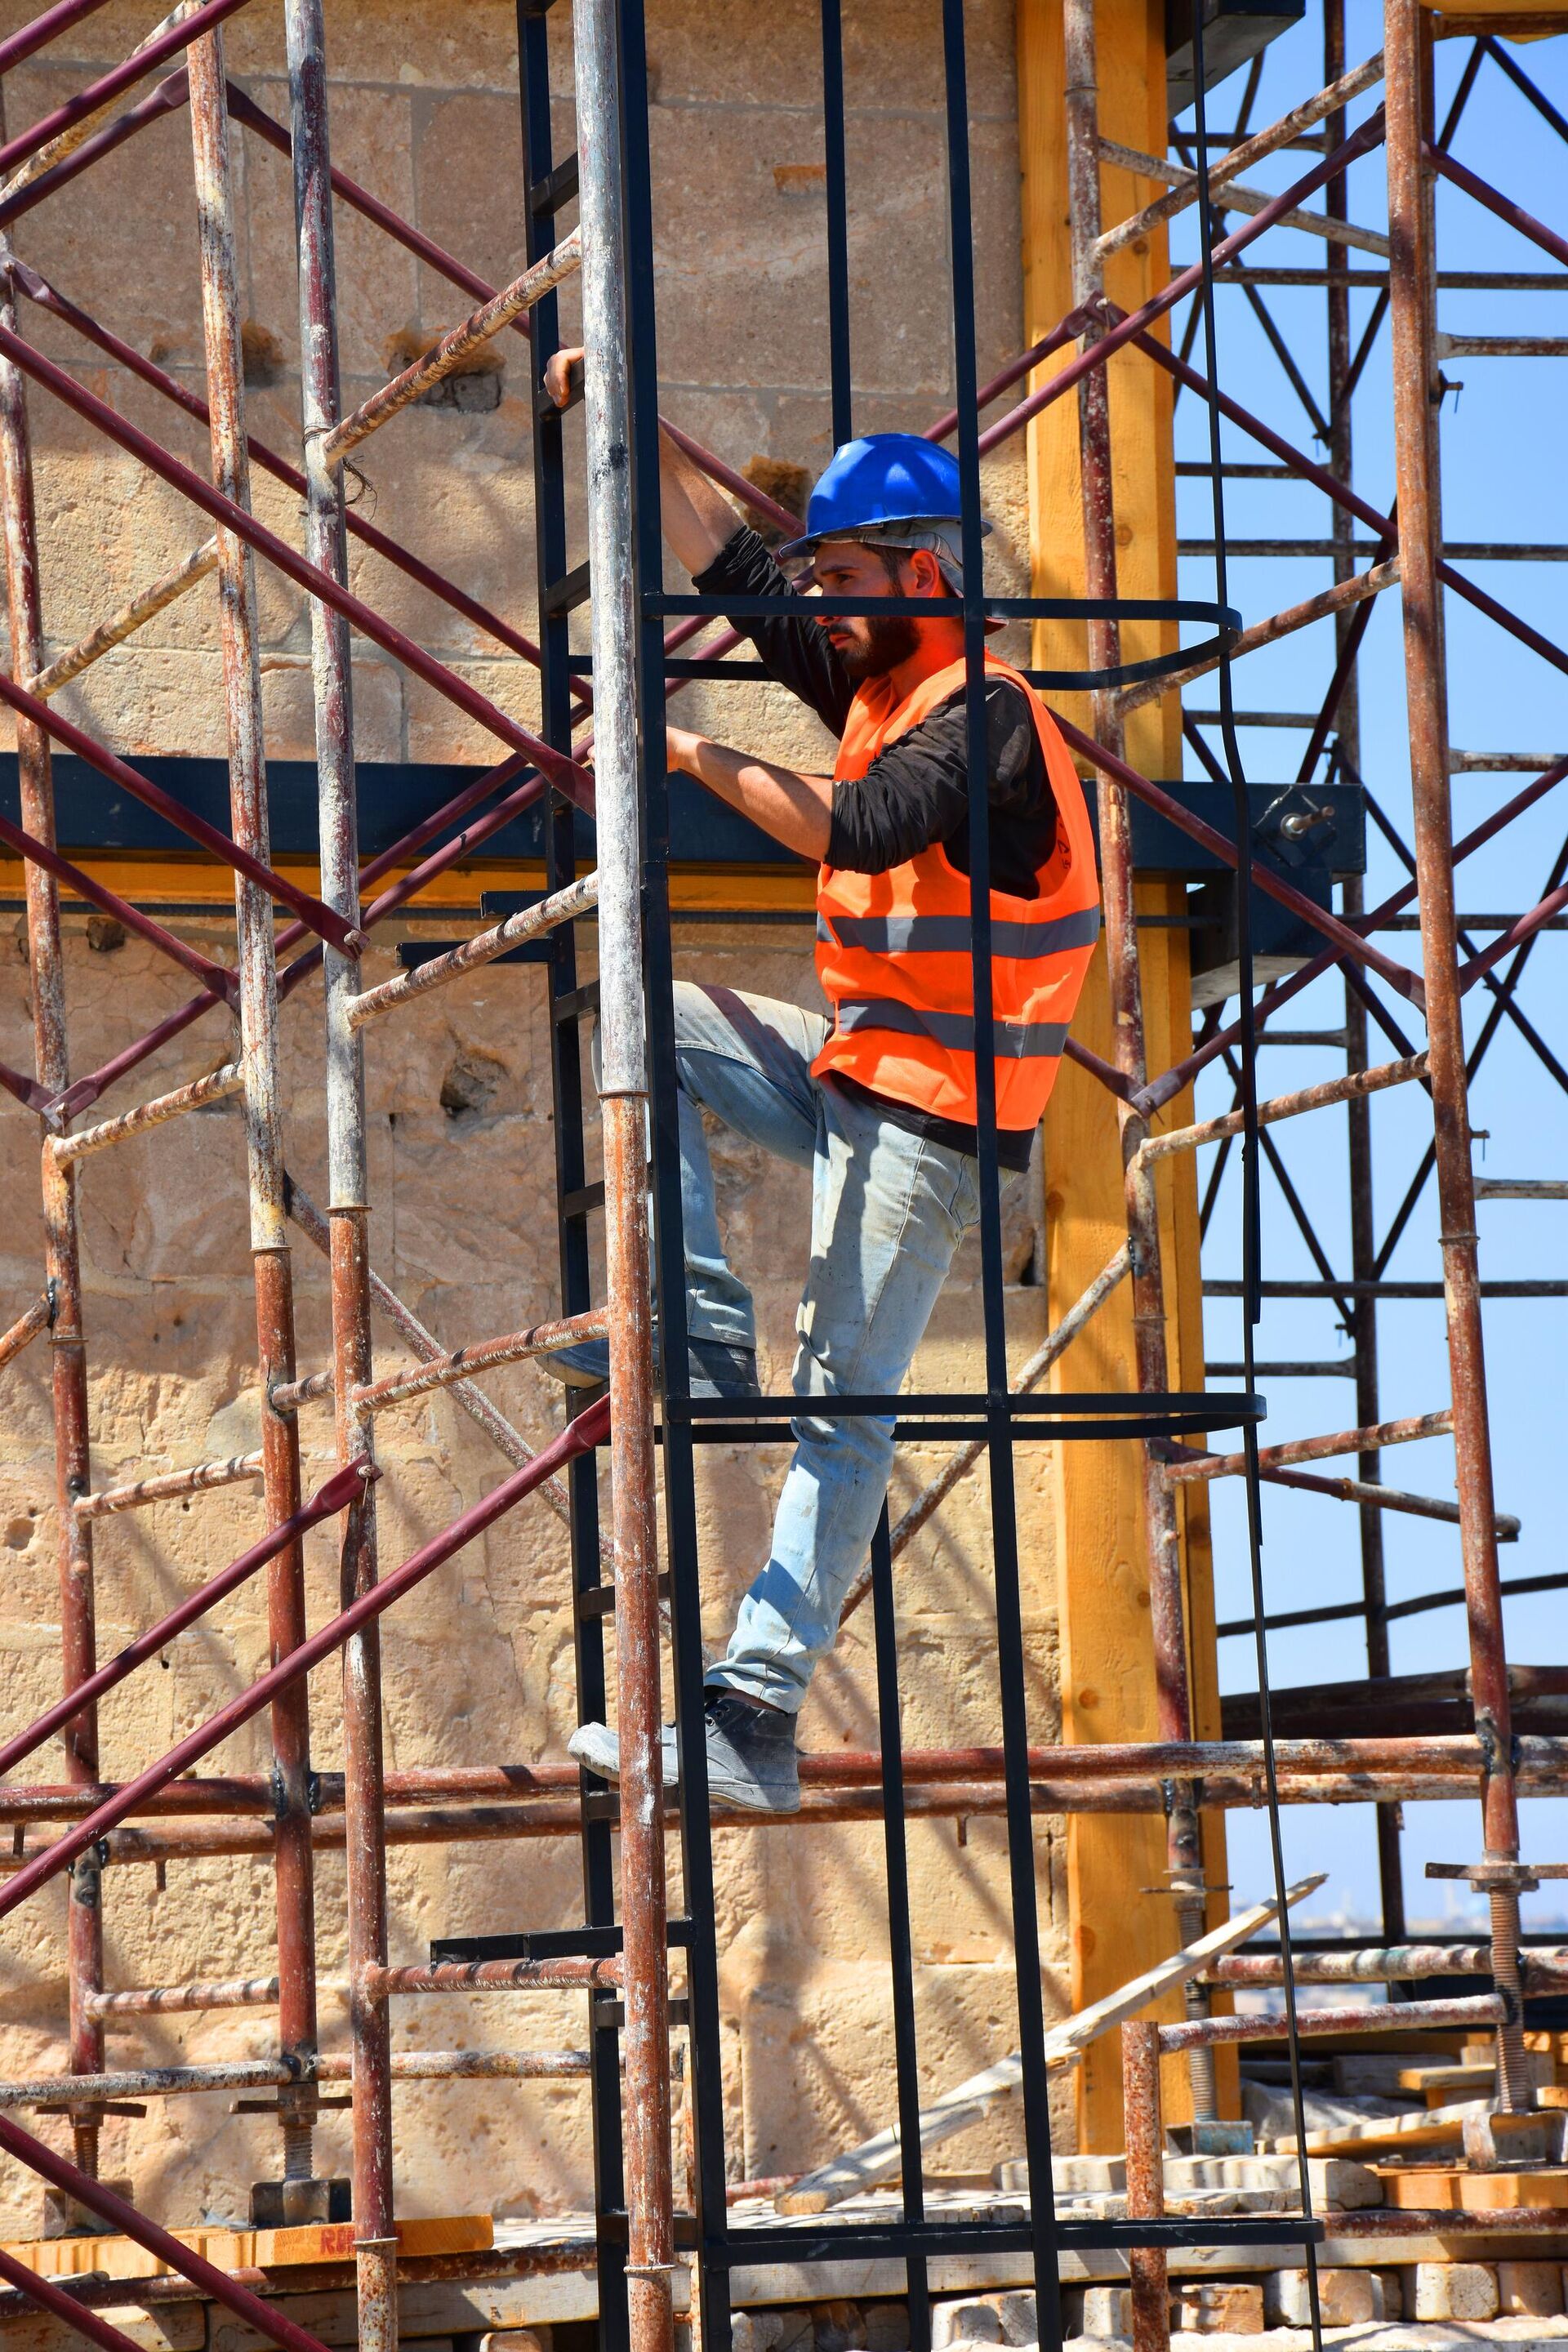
[(1015, 1041), (954, 934)]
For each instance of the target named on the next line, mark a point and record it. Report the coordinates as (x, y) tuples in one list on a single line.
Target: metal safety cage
[(994, 1420)]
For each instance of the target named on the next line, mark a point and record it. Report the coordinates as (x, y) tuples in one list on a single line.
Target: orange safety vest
[(893, 949)]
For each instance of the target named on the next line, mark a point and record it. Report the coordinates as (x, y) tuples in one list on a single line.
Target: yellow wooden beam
[(159, 880), (1118, 1925), (1131, 35)]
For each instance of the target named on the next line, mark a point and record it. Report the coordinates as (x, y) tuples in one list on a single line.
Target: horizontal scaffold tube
[(265, 2073), (177, 2000), (1242, 157), (494, 1976), (1342, 598), (132, 617), (1455, 1756), (1350, 1088), (529, 923), (149, 2082), (38, 1317), (560, 1817), (1189, 1468), (1395, 2017), (1376, 1964), (445, 1372), (168, 1488), (1245, 200), (448, 355), (484, 1356), (217, 1086)]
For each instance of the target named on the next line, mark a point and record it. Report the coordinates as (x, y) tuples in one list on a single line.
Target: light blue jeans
[(887, 1211)]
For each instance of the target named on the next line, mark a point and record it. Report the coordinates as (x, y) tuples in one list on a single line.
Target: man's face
[(870, 646)]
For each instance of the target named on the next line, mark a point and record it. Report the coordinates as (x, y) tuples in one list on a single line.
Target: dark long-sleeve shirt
[(916, 792)]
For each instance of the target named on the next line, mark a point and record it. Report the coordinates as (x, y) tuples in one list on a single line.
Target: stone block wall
[(478, 1665)]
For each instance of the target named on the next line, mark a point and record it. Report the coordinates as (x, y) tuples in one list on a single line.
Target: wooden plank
[(1421, 2128), (1131, 37), (238, 2249), (1448, 2188), (170, 2327), (1535, 18), (1386, 2074)]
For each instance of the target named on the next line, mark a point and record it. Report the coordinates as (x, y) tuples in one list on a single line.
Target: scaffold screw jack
[(1521, 1877)]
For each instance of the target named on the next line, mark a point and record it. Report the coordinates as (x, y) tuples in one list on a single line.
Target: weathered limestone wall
[(478, 1665)]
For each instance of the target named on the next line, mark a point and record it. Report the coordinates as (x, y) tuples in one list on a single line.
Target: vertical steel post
[(622, 1092), (1147, 2266), (1417, 393), (1347, 726), (270, 1253), (62, 1256), (348, 1204), (551, 564), (1161, 1530)]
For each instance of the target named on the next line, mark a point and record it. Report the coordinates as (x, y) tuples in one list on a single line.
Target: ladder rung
[(543, 1944), (573, 1002), (609, 2016), (599, 1601), (557, 188), (566, 595)]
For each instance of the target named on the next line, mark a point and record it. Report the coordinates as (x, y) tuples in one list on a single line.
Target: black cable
[(1251, 1236)]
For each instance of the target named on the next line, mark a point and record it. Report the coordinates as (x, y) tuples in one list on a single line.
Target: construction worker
[(876, 1099)]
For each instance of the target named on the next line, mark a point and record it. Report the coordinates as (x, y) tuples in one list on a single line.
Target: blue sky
[(1503, 481)]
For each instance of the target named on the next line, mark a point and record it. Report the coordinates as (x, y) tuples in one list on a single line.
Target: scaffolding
[(620, 1956)]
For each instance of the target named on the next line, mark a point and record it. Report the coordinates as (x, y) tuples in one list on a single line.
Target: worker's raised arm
[(698, 518)]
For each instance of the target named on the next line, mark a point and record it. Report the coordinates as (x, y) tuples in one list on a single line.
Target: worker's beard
[(891, 639)]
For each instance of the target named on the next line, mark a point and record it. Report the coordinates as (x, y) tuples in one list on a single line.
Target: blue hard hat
[(884, 477)]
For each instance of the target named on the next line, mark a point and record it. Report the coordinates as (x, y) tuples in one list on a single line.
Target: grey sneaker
[(714, 1370), (752, 1756)]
